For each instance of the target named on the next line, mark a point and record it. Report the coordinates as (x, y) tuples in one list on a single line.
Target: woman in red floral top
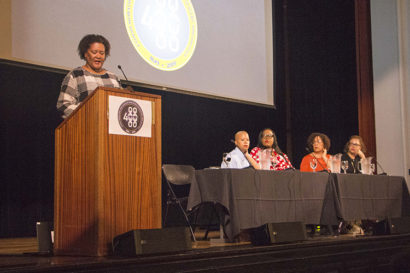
[(267, 142)]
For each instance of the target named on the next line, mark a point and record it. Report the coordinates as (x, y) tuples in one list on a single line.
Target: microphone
[(225, 158), (378, 164), (127, 87), (120, 68)]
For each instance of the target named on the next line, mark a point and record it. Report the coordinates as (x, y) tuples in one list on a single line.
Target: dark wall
[(322, 71), (320, 65), (27, 123)]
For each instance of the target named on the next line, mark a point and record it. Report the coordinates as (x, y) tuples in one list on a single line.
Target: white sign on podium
[(130, 117)]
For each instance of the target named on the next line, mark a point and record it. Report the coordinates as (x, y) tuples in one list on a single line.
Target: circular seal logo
[(130, 117), (164, 32)]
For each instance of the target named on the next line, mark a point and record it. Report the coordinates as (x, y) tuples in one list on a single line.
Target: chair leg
[(165, 217), (192, 233), (187, 220), (339, 227), (208, 226), (206, 234), (214, 213)]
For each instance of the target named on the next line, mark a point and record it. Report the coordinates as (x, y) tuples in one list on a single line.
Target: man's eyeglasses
[(267, 136)]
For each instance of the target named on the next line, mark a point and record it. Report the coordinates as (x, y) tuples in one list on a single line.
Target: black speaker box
[(395, 225), (278, 233), (399, 225), (148, 241), (43, 230)]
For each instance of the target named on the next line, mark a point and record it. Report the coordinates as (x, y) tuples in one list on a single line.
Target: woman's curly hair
[(88, 40), (323, 137)]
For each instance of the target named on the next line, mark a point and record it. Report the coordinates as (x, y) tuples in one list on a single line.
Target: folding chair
[(178, 176)]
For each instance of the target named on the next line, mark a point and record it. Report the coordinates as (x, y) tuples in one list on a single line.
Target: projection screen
[(232, 58)]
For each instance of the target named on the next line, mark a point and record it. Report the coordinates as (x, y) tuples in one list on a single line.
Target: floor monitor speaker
[(43, 230), (278, 233), (148, 241), (399, 225)]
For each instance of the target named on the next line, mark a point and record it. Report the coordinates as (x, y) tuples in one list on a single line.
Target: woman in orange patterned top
[(268, 154), (318, 159)]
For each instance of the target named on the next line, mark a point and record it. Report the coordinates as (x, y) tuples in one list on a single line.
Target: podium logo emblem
[(130, 117)]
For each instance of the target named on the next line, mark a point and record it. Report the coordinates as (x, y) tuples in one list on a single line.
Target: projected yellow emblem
[(164, 32)]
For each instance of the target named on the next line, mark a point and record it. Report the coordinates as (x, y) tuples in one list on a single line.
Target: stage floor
[(29, 246), (319, 253)]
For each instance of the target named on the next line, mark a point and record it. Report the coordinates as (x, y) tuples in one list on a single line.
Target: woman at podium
[(83, 80)]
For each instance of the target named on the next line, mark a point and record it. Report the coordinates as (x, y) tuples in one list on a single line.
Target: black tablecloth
[(253, 198), (370, 196)]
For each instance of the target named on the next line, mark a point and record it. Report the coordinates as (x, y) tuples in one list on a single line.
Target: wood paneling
[(105, 184), (365, 97)]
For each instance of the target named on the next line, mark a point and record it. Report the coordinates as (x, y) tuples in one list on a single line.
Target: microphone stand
[(325, 169), (128, 87), (378, 164)]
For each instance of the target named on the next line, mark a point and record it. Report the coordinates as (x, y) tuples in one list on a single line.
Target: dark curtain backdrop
[(322, 71), (319, 40)]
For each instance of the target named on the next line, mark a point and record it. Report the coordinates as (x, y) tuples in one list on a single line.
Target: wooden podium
[(105, 184)]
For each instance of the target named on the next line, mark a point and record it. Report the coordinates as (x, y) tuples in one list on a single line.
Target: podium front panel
[(105, 184)]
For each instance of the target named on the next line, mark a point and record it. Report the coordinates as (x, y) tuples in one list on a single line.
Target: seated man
[(239, 158)]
